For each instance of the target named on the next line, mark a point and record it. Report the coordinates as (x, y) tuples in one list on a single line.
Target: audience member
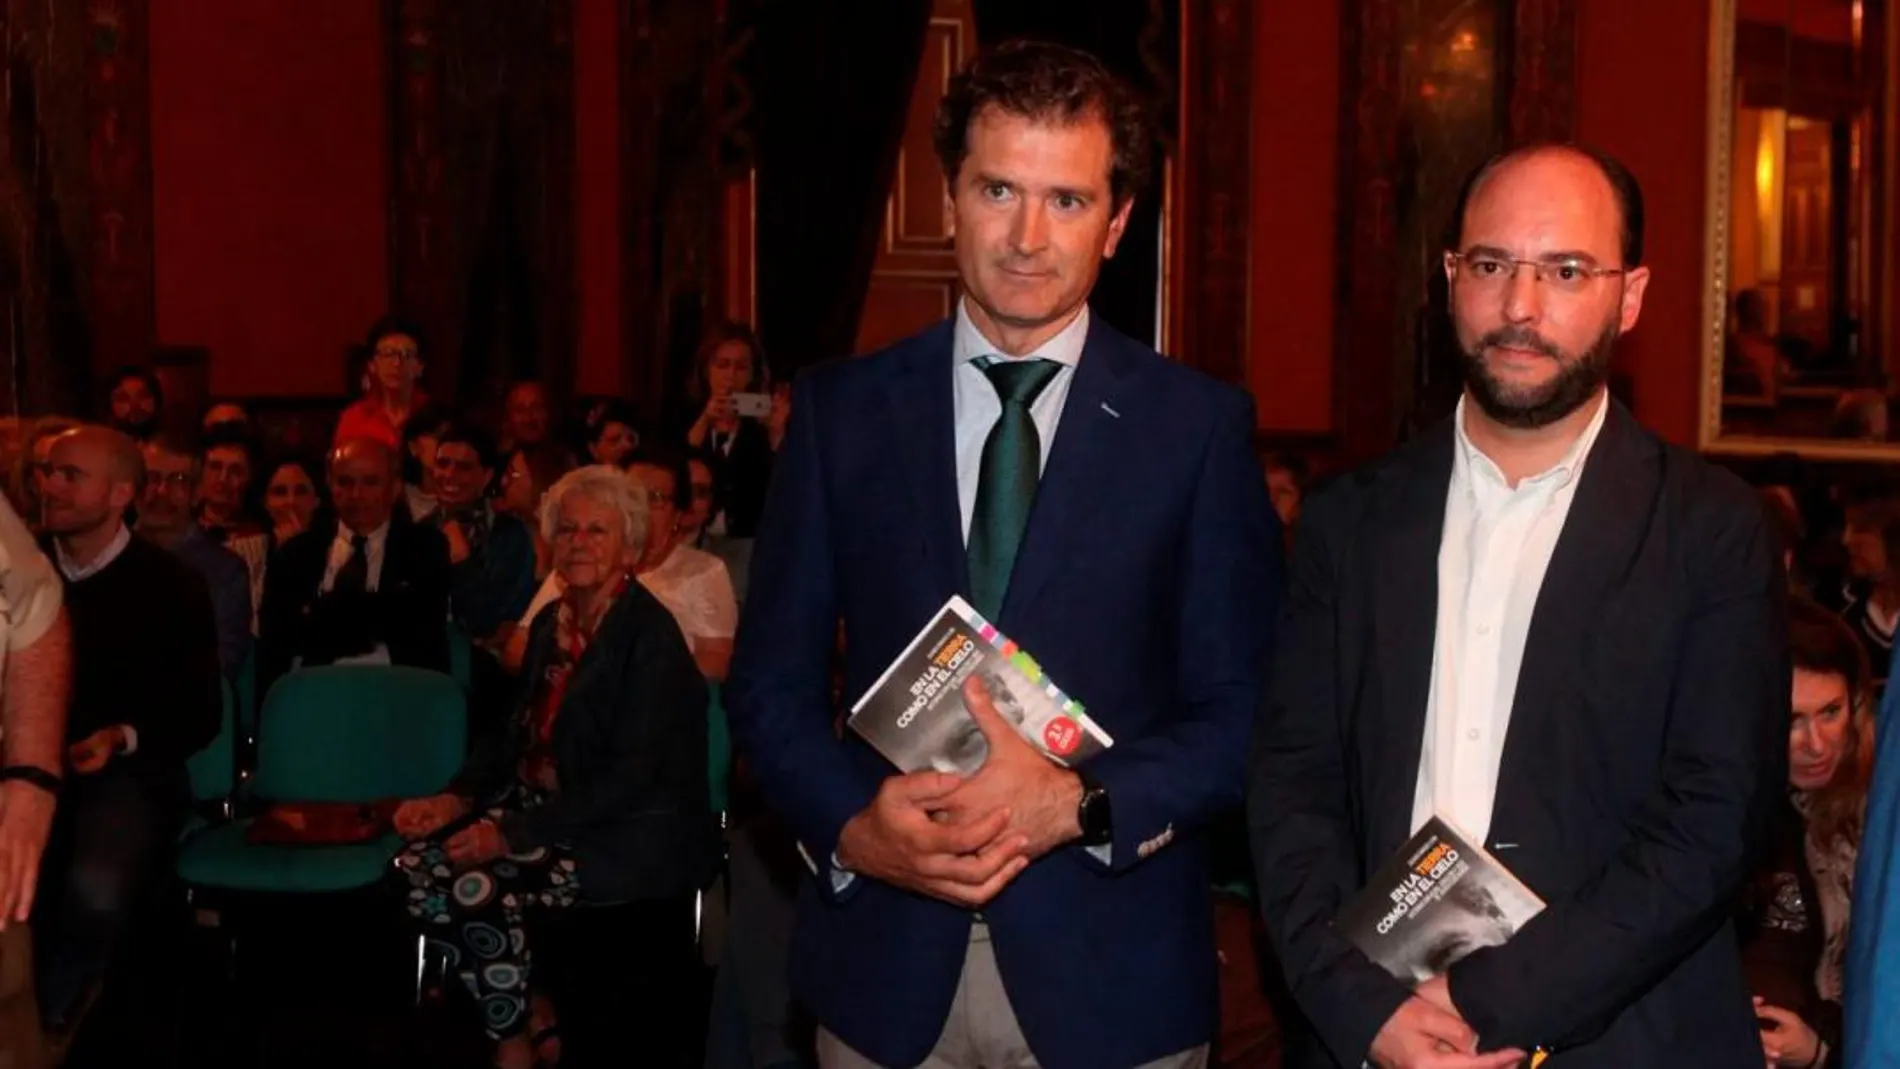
[(612, 435), (705, 491), (29, 480), (135, 402), (691, 583), (419, 438), (294, 497), (390, 385), (36, 655), (145, 698), (1862, 416), (535, 458), (1287, 474), (226, 415), (164, 517), (364, 589), (492, 553), (226, 470), (596, 791), (1869, 601), (1753, 363), (740, 447), (1797, 906)]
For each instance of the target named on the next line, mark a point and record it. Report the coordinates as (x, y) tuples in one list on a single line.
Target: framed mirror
[(1799, 348)]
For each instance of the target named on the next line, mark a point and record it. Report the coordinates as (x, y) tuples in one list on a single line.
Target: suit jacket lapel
[(921, 421), (1606, 526), (1406, 524), (1094, 425)]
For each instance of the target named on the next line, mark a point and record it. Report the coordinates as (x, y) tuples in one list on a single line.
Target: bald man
[(1542, 624), (369, 587), (145, 697)]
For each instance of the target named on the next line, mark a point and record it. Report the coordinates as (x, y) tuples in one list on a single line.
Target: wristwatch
[(1093, 813)]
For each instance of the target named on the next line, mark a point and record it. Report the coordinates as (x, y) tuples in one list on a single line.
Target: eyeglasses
[(1488, 271)]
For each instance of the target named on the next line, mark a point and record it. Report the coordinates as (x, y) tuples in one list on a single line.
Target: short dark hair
[(1047, 82), (464, 432), (1623, 185), (143, 374), (668, 457), (229, 436), (394, 324), (612, 411)]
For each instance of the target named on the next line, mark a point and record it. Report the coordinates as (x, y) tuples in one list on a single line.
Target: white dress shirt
[(342, 548), (976, 407), (1492, 557), (74, 571)]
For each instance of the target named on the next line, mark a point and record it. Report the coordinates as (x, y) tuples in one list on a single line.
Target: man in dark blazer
[(1565, 637), (369, 588), (1029, 914)]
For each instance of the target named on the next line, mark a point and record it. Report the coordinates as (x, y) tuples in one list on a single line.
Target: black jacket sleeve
[(185, 699), (1299, 809)]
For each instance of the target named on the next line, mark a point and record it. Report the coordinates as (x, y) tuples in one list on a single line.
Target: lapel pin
[(1110, 411)]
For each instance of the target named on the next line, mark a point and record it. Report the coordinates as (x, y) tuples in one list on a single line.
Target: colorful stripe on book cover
[(1063, 734)]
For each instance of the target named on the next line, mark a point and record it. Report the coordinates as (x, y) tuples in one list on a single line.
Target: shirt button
[(1472, 734), (1484, 629)]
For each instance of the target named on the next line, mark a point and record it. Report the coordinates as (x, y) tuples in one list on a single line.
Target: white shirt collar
[(74, 570), (1472, 459), (1065, 348)]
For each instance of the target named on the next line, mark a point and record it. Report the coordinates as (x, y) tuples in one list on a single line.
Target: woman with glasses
[(391, 393)]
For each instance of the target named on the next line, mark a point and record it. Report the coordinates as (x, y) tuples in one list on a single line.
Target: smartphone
[(752, 405)]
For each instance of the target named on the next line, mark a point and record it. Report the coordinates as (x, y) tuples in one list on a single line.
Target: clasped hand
[(964, 840), (1427, 1032)]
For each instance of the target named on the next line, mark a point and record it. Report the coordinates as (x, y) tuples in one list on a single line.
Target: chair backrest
[(359, 733), (213, 770)]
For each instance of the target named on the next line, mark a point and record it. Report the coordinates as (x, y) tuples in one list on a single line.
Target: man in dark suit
[(1561, 635), (1028, 914), (367, 589)]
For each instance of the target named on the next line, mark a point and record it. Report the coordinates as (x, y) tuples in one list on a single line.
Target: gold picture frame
[(1716, 254)]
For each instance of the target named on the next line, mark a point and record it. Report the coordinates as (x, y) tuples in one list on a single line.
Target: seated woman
[(1797, 906), (596, 790)]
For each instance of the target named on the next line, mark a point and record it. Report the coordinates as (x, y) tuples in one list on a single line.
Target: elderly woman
[(595, 791)]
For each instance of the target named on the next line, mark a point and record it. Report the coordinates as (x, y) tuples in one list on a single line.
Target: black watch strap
[(34, 775), (1093, 814)]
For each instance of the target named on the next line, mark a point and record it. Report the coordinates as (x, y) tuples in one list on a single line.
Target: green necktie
[(1012, 465)]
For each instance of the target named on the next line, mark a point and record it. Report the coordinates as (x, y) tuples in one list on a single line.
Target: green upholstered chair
[(356, 733)]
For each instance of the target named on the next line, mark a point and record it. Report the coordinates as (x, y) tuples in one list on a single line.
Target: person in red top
[(390, 390)]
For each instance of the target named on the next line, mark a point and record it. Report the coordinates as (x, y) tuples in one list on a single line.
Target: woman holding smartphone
[(737, 421)]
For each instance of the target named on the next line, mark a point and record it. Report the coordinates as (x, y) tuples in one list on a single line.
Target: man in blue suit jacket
[(1872, 984), (1029, 915)]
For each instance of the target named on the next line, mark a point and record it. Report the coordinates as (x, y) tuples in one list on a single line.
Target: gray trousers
[(982, 1031)]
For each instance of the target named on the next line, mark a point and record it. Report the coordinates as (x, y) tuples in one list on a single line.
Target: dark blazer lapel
[(1405, 523), (921, 420), (1088, 437), (1606, 526)]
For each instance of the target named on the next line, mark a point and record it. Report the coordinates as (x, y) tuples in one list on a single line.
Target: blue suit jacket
[(1147, 585), (1872, 982)]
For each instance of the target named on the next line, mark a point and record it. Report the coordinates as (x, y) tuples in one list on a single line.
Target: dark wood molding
[(1215, 147), (120, 295), (1543, 71), (421, 281)]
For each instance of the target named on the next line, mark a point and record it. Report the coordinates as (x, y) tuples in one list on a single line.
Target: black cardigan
[(1783, 934), (629, 752)]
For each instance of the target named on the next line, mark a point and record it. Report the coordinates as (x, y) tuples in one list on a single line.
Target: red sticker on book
[(1062, 736)]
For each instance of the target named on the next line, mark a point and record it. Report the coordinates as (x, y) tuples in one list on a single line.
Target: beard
[(1578, 377)]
